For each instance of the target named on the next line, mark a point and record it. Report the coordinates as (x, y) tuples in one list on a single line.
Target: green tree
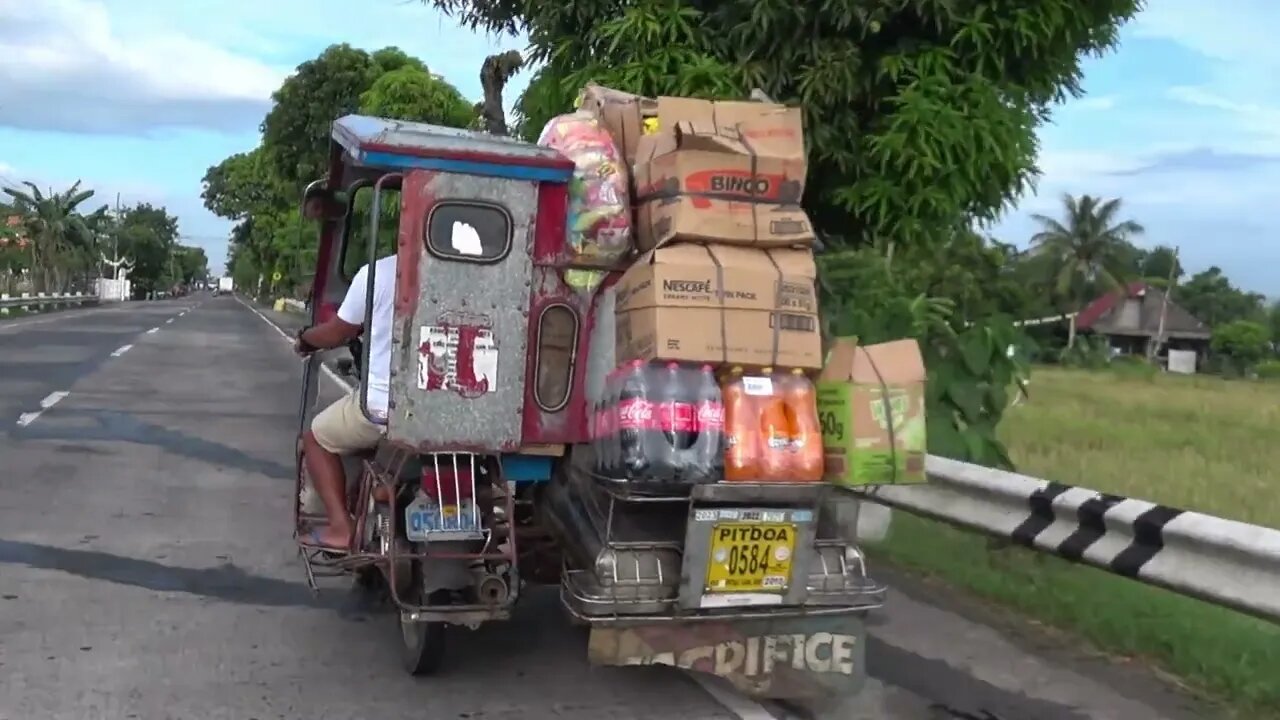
[(1158, 263), (260, 189), (60, 239), (1088, 248), (413, 93), (920, 114), (1242, 343), (1210, 296), (1273, 323), (192, 264), (295, 133), (149, 236)]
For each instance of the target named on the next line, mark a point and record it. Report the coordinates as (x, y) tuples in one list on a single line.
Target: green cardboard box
[(871, 405)]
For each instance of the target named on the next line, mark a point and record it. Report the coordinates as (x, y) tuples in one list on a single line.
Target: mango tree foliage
[(412, 93), (261, 189), (921, 118), (148, 235)]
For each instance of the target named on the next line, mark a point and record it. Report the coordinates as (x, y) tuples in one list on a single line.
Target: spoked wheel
[(422, 644)]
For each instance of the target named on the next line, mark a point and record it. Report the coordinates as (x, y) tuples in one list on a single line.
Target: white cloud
[(68, 67), (1101, 102), (1241, 32)]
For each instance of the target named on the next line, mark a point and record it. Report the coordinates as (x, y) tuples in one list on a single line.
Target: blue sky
[(139, 97)]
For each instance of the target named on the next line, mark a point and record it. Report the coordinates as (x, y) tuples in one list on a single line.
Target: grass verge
[(1199, 443)]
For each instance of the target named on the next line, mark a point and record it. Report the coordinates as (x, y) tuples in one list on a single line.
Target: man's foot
[(327, 538)]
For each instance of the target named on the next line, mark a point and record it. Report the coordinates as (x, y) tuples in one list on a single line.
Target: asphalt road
[(147, 571)]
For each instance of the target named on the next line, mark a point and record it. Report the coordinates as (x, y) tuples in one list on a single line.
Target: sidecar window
[(557, 354), (468, 231), (355, 231)]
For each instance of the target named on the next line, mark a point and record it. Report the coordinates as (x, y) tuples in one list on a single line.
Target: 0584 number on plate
[(750, 557)]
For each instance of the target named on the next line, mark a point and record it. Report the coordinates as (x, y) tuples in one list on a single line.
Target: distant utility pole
[(1154, 348)]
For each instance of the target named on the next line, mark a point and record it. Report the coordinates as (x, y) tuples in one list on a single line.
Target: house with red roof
[(1131, 319)]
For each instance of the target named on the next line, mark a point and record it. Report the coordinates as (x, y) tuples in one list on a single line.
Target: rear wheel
[(422, 644)]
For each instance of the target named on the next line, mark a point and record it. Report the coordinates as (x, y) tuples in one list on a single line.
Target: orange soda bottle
[(807, 463), (775, 431), (741, 440)]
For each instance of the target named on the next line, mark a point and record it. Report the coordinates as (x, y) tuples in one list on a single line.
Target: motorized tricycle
[(485, 474)]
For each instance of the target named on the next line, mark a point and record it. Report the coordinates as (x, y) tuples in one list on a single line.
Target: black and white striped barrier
[(1224, 562)]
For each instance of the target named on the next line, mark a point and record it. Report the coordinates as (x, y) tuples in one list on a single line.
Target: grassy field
[(1197, 443)]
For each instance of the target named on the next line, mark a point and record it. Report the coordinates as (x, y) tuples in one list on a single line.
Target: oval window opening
[(557, 355), (469, 231)]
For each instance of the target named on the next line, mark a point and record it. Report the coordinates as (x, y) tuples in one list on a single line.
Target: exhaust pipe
[(491, 589)]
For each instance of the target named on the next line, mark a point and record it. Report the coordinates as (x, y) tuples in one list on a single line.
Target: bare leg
[(330, 482)]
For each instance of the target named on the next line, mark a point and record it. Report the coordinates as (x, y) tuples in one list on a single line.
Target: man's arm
[(349, 322)]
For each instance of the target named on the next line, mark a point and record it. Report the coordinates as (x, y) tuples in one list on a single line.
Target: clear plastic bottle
[(741, 430)]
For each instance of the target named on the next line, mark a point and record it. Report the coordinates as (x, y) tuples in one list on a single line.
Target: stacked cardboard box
[(727, 272)]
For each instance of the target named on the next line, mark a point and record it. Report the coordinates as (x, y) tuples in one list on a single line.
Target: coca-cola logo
[(677, 417), (635, 413), (710, 416)]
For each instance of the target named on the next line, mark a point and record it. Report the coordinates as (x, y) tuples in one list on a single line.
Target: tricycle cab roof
[(400, 146)]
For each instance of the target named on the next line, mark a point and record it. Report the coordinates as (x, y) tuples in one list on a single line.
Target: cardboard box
[(732, 151), (622, 114), (871, 402), (761, 225), (720, 304)]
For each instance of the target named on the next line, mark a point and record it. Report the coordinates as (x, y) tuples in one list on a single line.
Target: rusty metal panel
[(459, 352), (789, 658), (602, 344)]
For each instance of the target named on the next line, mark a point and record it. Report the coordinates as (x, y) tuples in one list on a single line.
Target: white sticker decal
[(465, 240)]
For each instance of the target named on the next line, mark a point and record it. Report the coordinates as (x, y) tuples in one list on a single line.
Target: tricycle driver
[(342, 428)]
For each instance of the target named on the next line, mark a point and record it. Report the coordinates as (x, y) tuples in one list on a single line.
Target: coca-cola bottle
[(635, 422), (706, 461), (675, 412), (607, 447)]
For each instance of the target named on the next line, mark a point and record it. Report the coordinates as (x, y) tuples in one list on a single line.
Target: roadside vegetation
[(1202, 443), (60, 241)]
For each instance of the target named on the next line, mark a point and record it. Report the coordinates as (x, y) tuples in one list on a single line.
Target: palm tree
[(60, 237), (1086, 249)]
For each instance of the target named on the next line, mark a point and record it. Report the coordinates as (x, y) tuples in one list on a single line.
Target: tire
[(422, 644)]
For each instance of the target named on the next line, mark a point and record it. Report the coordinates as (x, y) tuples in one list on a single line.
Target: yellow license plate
[(750, 557)]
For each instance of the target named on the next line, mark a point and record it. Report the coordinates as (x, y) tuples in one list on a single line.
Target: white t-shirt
[(379, 336)]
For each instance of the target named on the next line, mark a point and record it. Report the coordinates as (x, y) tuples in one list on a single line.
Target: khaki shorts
[(342, 429)]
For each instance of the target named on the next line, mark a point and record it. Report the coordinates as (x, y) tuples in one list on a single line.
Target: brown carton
[(714, 220), (733, 151), (621, 113), (720, 304), (871, 405)]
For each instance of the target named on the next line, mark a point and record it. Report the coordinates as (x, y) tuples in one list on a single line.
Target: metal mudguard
[(786, 658)]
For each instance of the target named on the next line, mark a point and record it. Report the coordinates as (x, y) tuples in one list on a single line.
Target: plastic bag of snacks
[(599, 211)]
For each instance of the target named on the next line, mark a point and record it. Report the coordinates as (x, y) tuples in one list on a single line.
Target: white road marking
[(153, 331), (335, 377), (166, 322), (121, 350), (52, 399), (49, 401)]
